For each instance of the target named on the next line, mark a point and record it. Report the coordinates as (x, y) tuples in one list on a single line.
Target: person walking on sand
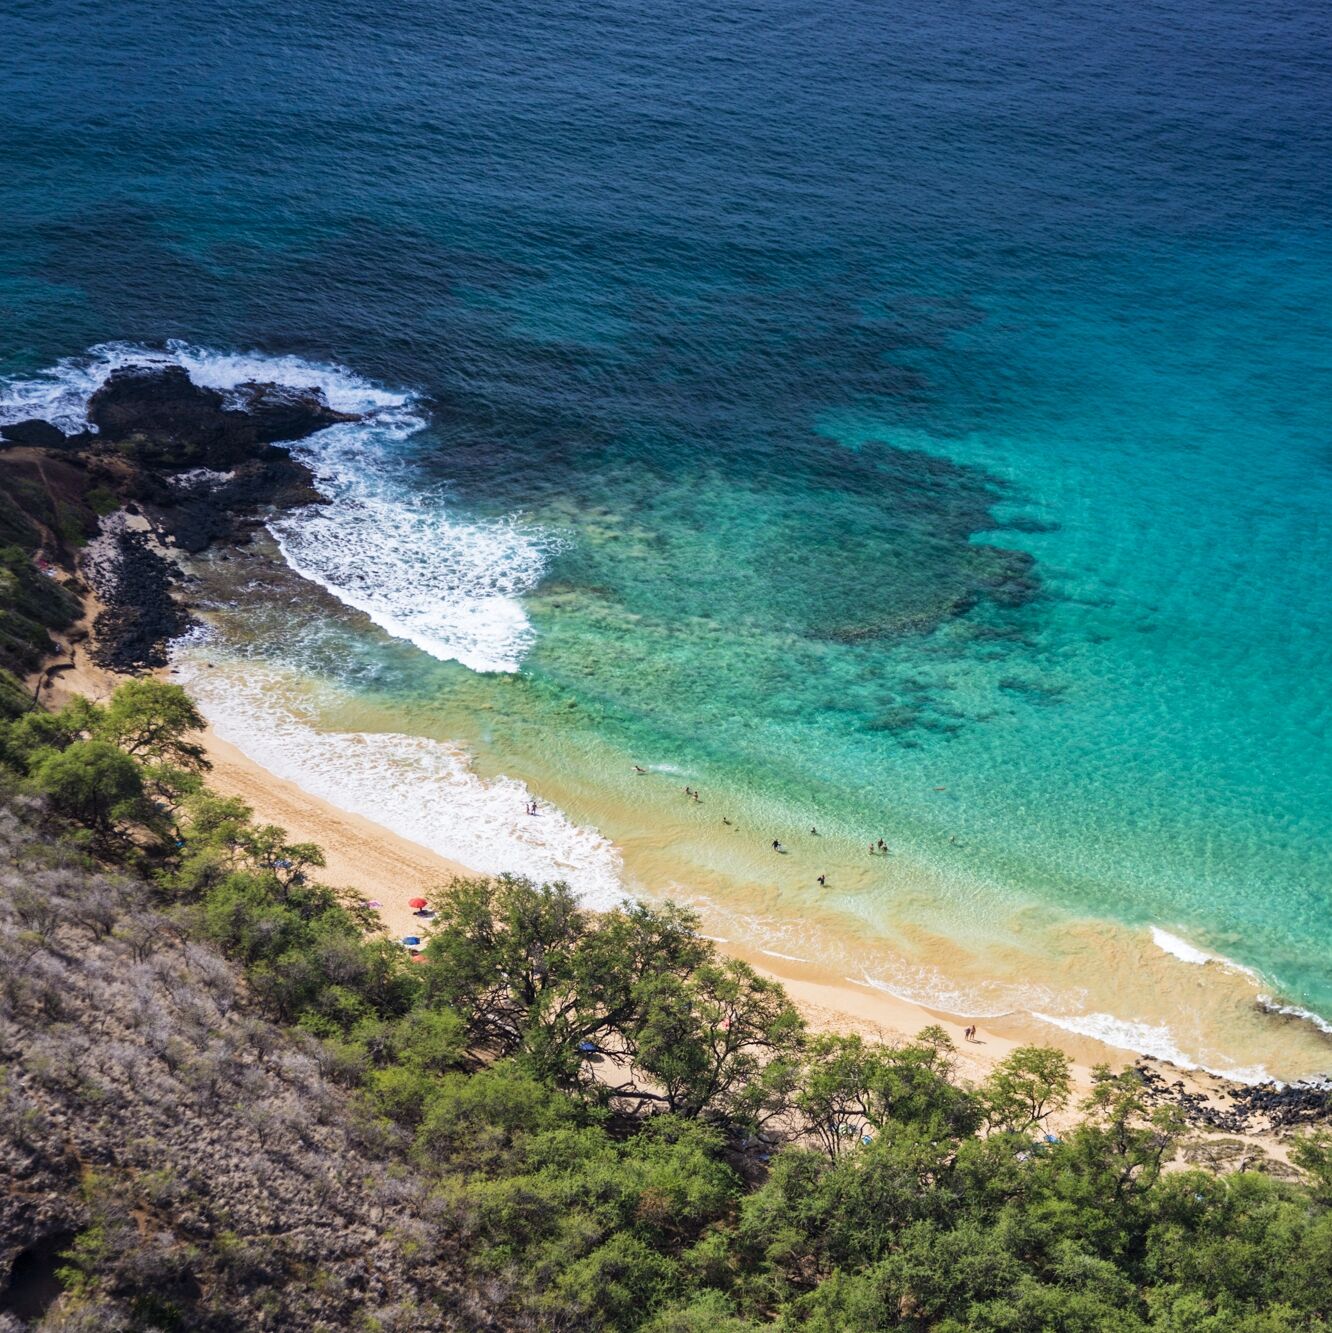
[(823, 880), (776, 846)]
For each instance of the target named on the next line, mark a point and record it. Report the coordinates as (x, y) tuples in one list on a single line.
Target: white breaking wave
[(1181, 949), (1273, 1006), (383, 545), (420, 789), (1154, 1039), (1188, 953), (60, 394), (449, 587)]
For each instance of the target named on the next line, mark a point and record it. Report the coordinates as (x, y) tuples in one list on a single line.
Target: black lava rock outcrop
[(199, 466), (172, 423), (140, 616), (1257, 1108), (35, 432)]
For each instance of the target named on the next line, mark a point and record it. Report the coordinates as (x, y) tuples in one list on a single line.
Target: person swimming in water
[(823, 879), (813, 831), (776, 846), (638, 768)]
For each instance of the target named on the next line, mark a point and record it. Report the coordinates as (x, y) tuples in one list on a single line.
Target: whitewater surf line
[(385, 544), (421, 789)]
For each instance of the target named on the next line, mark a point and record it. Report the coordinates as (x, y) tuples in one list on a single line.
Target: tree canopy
[(613, 1127)]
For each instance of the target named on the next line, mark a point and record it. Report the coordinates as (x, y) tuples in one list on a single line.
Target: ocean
[(891, 423)]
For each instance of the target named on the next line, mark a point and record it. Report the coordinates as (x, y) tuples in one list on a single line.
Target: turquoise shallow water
[(913, 426)]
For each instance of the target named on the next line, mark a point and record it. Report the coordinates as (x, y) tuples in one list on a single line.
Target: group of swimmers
[(879, 848)]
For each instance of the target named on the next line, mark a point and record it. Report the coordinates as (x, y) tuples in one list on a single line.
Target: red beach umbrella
[(417, 903)]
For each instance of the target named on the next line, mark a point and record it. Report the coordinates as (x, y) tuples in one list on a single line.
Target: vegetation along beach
[(665, 667)]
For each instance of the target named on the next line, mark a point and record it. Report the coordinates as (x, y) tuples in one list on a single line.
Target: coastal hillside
[(229, 1102)]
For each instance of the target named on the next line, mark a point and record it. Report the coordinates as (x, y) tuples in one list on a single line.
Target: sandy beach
[(388, 870)]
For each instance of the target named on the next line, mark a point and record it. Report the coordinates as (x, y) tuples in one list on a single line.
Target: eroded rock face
[(174, 422)]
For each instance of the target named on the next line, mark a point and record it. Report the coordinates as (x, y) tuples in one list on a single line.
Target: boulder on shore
[(173, 422), (35, 432)]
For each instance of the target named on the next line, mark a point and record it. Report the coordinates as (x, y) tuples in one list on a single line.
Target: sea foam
[(386, 545), (420, 789), (1181, 949), (393, 551), (1153, 1039)]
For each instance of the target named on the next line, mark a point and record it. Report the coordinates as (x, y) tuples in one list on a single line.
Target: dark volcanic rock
[(201, 517), (174, 423), (279, 412), (141, 616), (33, 431)]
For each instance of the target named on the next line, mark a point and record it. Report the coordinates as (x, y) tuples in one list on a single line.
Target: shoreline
[(386, 870), (137, 565)]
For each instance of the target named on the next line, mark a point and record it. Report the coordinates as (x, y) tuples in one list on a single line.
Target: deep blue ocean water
[(909, 420)]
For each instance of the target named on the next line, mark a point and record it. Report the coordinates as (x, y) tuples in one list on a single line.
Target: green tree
[(834, 1094), (1312, 1153), (535, 975), (1123, 1144), (152, 720), (911, 1083), (93, 783), (38, 731), (706, 1038), (1028, 1086), (848, 1084)]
